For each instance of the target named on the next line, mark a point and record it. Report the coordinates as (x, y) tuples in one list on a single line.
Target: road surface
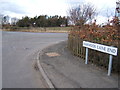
[(19, 51)]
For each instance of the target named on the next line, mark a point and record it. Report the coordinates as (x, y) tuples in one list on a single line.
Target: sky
[(31, 8)]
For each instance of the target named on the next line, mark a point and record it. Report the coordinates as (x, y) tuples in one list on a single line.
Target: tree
[(81, 14), (42, 21), (24, 22)]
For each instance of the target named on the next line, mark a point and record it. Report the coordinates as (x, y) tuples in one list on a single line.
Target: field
[(40, 29)]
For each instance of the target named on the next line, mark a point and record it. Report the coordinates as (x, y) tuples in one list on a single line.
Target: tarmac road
[(18, 57)]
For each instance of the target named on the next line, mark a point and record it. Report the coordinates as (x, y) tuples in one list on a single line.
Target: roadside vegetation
[(42, 23), (81, 25), (86, 30), (39, 29)]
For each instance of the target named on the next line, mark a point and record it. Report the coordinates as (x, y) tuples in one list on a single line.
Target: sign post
[(110, 65), (102, 48), (86, 58)]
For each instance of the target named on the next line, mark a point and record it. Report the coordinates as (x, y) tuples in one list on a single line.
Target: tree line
[(43, 21), (77, 16)]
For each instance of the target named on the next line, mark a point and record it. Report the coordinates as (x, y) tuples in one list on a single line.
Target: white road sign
[(99, 47)]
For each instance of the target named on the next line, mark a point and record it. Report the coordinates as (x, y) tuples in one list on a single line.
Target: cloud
[(31, 8), (73, 3), (104, 6), (9, 7), (103, 3), (50, 7)]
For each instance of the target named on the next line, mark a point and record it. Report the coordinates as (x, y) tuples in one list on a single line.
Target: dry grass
[(47, 29)]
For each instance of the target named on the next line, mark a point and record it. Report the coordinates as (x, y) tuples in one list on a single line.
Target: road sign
[(102, 48)]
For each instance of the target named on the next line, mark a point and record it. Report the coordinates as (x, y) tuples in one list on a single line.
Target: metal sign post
[(110, 65), (86, 58)]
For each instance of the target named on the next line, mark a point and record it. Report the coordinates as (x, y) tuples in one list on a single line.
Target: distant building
[(5, 19), (14, 21)]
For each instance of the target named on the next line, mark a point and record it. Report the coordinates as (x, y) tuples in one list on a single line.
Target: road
[(19, 50)]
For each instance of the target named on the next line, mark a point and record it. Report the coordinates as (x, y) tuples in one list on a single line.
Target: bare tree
[(109, 14), (81, 14)]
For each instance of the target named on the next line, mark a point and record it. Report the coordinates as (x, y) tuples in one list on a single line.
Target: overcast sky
[(31, 8)]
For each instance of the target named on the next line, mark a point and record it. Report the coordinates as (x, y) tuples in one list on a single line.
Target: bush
[(107, 35)]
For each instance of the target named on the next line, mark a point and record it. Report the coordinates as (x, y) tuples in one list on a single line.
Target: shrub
[(107, 35)]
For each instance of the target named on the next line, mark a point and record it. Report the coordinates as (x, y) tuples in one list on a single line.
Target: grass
[(41, 29)]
